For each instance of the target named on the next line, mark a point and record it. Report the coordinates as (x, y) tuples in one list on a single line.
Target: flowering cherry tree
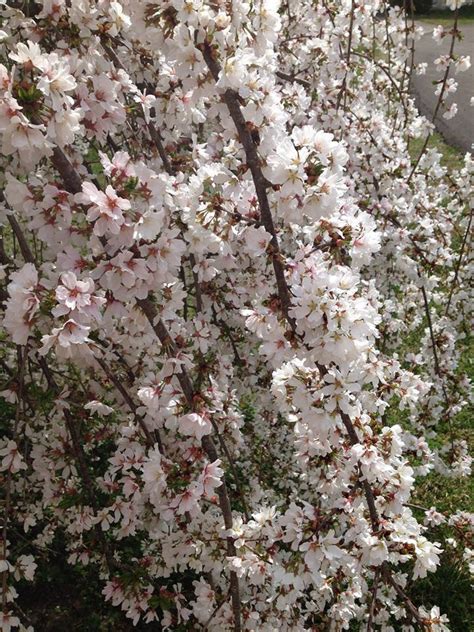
[(214, 244)]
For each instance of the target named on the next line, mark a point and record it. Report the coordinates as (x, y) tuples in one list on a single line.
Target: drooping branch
[(81, 462), (412, 609), (64, 167), (153, 131), (444, 83), (21, 357), (22, 241), (231, 99), (373, 599), (185, 382), (460, 258), (150, 439), (71, 180)]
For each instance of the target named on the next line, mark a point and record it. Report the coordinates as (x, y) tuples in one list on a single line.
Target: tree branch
[(231, 99)]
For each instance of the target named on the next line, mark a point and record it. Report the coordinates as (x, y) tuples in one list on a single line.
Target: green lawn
[(451, 157), (450, 586), (446, 18), (449, 494)]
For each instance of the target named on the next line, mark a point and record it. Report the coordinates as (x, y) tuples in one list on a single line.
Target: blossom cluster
[(214, 245)]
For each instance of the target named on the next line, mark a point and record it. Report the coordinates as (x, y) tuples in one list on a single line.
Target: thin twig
[(373, 599), (131, 404), (231, 99), (458, 264), (21, 355), (207, 443), (441, 94)]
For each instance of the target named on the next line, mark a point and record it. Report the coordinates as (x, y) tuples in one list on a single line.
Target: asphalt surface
[(458, 131)]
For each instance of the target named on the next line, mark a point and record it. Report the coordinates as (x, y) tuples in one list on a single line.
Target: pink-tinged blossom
[(98, 408), (9, 110), (187, 502), (12, 459), (8, 621), (56, 80), (68, 335), (70, 260), (74, 294), (433, 618), (149, 225), (25, 568), (29, 54), (77, 297), (113, 591), (27, 139), (154, 478), (64, 127), (256, 240), (434, 518), (194, 425), (210, 477), (427, 557), (52, 9), (374, 550), (23, 303), (106, 210)]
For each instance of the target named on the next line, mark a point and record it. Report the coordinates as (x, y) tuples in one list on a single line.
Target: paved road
[(459, 130)]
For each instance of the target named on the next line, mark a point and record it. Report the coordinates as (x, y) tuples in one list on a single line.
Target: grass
[(446, 18), (450, 586), (451, 158), (450, 495), (446, 494)]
